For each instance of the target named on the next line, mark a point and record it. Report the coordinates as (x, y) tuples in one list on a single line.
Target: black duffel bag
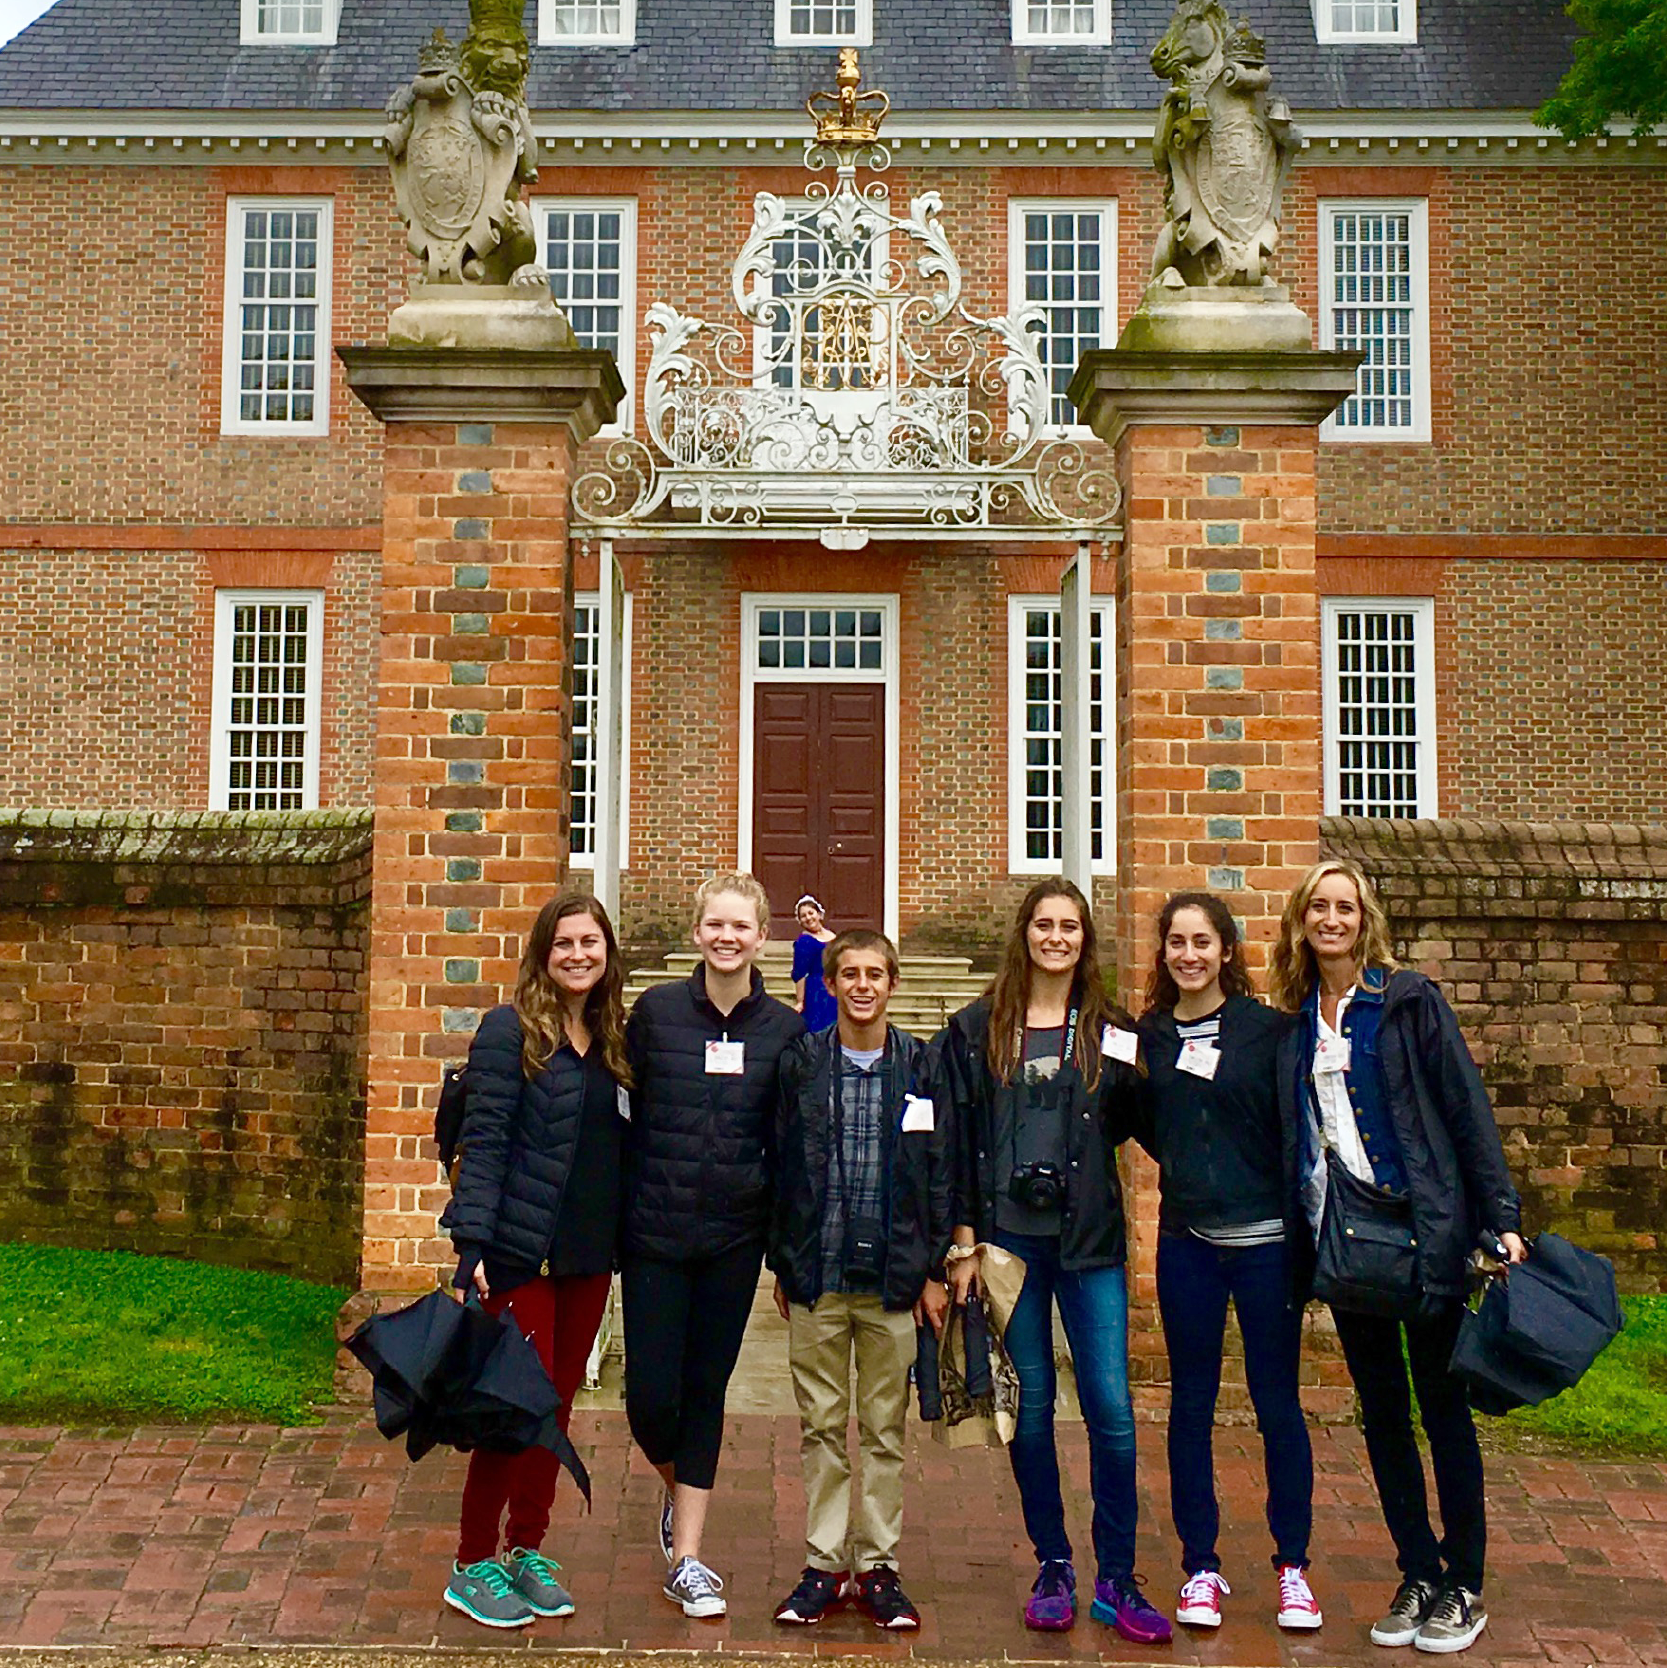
[(1366, 1252)]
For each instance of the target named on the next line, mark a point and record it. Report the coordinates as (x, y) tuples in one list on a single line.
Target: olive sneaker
[(1452, 1625), (1411, 1605), (534, 1578), (485, 1594)]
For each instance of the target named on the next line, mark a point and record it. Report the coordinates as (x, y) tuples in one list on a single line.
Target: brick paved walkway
[(232, 1536)]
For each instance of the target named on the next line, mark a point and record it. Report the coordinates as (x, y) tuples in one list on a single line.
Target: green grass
[(106, 1337), (1620, 1406)]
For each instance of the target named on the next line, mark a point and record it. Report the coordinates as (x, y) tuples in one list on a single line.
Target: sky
[(17, 14)]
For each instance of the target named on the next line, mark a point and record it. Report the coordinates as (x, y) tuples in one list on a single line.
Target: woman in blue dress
[(810, 994)]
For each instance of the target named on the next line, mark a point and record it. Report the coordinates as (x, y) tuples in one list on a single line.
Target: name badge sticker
[(622, 1101), (1199, 1058), (1118, 1044), (1334, 1054), (918, 1115), (725, 1059)]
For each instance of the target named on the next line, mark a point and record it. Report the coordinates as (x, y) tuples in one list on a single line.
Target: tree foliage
[(1619, 69)]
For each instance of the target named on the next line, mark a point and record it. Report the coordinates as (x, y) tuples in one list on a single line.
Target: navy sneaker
[(819, 1594)]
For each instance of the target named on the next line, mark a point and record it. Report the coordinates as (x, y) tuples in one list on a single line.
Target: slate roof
[(717, 55)]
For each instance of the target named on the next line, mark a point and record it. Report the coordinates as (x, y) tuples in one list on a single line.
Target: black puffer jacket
[(519, 1137), (1457, 1176), (702, 1143), (1092, 1233), (917, 1164)]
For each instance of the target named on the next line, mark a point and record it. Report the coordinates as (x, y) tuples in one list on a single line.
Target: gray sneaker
[(534, 1577), (1413, 1602), (485, 1594), (696, 1588), (1459, 1615), (665, 1527)]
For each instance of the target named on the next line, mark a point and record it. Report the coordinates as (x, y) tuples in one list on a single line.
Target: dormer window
[(290, 22), (1342, 22), (587, 22), (1062, 22), (824, 22)]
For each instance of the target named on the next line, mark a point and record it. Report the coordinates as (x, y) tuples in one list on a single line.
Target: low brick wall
[(1551, 941), (182, 1034)]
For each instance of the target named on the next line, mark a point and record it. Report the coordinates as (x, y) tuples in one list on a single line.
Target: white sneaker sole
[(1401, 1636), (1300, 1621), (700, 1609), (463, 1609), (1198, 1618), (1459, 1641)]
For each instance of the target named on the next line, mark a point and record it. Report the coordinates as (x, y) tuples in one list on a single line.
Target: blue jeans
[(1094, 1305), (1195, 1280)]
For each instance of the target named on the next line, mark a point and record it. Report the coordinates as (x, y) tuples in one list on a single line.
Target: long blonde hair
[(538, 1003), (1295, 972)]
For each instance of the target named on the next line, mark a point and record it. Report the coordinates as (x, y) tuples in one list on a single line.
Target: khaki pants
[(820, 1345)]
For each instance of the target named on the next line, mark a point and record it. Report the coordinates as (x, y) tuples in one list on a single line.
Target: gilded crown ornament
[(848, 118)]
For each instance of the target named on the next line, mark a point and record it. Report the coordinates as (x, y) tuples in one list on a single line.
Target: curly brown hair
[(538, 1002), (1161, 989)]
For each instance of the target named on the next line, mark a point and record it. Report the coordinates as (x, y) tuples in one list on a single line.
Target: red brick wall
[(182, 1056)]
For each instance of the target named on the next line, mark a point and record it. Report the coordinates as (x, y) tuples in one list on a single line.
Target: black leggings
[(683, 1328)]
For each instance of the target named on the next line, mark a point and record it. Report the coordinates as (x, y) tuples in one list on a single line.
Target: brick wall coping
[(184, 837)]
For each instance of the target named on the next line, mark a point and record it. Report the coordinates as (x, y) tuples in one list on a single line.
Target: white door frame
[(751, 676)]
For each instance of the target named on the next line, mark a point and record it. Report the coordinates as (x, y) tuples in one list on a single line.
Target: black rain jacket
[(701, 1145), (1092, 1233), (916, 1165), (1457, 1177)]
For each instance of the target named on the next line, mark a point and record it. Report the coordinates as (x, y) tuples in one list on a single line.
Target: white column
[(610, 679), (1075, 602)]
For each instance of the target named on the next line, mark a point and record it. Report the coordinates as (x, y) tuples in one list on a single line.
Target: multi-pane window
[(1366, 20), (826, 345), (586, 719), (1379, 707), (588, 245), (1374, 301), (587, 22), (1062, 259), (821, 639), (1036, 726), (266, 700), (1061, 22), (290, 22), (824, 22), (275, 374)]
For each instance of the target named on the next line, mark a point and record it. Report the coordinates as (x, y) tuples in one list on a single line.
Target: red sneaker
[(1298, 1608), (1200, 1601)]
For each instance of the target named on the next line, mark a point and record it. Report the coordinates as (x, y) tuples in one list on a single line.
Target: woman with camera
[(1040, 1076), (1226, 1221)]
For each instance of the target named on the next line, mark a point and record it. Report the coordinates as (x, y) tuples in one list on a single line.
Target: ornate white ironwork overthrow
[(859, 396)]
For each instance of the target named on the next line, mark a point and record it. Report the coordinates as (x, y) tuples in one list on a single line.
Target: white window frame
[(1024, 35), (1328, 34), (587, 860), (1106, 208), (252, 34), (1018, 860), (548, 35), (231, 349), (1422, 610), (862, 35), (626, 358), (219, 756), (1417, 209)]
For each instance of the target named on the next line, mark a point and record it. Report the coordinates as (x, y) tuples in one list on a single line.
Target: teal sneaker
[(534, 1578), (485, 1594)]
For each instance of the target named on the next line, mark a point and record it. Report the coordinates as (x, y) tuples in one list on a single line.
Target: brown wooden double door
[(819, 799)]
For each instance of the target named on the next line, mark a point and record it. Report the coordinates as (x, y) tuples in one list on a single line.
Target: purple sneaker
[(1121, 1604), (1052, 1606)]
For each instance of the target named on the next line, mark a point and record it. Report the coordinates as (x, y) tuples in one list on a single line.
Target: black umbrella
[(448, 1373), (1538, 1329)]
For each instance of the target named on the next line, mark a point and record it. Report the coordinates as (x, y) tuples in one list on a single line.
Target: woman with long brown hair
[(535, 1219), (1039, 1076)]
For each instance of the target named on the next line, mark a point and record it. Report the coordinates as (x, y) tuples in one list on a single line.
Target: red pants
[(560, 1316)]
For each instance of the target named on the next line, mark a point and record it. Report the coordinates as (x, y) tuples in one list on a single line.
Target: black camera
[(1037, 1185), (863, 1258)]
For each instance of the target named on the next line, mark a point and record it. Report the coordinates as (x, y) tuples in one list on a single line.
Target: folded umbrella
[(450, 1374)]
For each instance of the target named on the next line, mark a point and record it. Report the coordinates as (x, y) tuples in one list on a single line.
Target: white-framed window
[(275, 369), (1062, 257), (824, 22), (587, 664), (1375, 300), (1378, 666), (290, 22), (1062, 22), (587, 22), (268, 666), (1340, 21), (1035, 721), (589, 247)]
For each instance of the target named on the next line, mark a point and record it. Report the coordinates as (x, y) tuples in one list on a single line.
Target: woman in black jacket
[(534, 1217), (1228, 1211), (1377, 1071), (1040, 1075), (704, 1052)]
